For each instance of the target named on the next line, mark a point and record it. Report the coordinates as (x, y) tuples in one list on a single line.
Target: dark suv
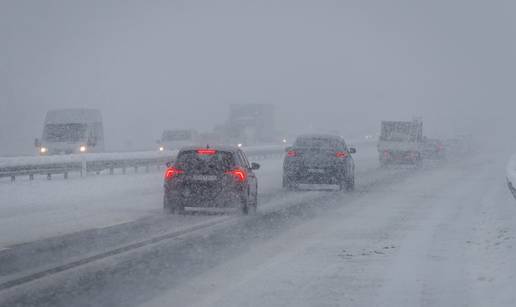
[(319, 159), (213, 177)]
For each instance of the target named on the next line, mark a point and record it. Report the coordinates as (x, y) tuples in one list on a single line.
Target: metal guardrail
[(87, 163)]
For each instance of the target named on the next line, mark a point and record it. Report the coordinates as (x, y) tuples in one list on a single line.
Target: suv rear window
[(316, 142), (192, 161)]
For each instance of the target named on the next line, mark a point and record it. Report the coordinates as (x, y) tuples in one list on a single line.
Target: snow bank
[(39, 160), (115, 156), (511, 170)]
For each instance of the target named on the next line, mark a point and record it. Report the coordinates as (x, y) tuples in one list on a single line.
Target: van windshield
[(71, 132)]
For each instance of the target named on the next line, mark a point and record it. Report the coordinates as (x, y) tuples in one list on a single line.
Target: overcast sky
[(326, 65)]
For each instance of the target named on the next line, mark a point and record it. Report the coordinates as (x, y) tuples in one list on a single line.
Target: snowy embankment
[(113, 156), (116, 156), (511, 175)]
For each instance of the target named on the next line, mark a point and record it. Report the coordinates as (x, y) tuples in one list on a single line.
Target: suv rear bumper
[(225, 199), (315, 176)]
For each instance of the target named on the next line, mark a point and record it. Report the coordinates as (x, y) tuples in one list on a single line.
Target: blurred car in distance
[(319, 159)]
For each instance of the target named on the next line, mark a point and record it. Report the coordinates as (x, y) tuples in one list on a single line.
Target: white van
[(176, 139), (68, 131)]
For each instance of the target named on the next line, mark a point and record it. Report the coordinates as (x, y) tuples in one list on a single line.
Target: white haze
[(325, 65)]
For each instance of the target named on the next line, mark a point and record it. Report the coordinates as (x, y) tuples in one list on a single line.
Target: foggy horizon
[(324, 65)]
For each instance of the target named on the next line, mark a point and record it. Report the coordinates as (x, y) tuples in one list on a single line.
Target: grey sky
[(345, 65)]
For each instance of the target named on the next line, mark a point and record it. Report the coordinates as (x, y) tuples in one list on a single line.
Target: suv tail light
[(291, 153), (239, 174), (171, 172), (341, 154)]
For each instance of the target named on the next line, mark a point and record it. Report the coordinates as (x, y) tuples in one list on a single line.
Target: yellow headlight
[(43, 150)]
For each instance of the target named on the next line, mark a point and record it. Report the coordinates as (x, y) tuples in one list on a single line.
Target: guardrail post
[(13, 178), (84, 168), (65, 175), (31, 176), (49, 176), (136, 169), (111, 171), (147, 168), (123, 170)]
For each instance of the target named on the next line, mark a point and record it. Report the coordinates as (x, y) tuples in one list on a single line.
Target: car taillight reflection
[(171, 172), (291, 153), (239, 174)]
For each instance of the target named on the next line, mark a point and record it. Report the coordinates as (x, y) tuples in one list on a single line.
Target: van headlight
[(82, 148), (43, 150), (161, 148)]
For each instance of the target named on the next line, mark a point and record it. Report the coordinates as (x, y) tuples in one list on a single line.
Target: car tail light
[(291, 153), (171, 172), (206, 151), (341, 154), (239, 174)]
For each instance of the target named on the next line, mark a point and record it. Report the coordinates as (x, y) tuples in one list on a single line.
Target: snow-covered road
[(443, 237)]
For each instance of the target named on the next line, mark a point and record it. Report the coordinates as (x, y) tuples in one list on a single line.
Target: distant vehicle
[(68, 131), (434, 149), (250, 124), (176, 139), (319, 159), (511, 175), (211, 177), (401, 142)]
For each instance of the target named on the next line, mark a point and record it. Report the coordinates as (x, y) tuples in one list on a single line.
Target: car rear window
[(191, 160), (315, 142)]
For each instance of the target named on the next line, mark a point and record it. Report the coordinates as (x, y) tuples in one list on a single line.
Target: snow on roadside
[(511, 170), (33, 210)]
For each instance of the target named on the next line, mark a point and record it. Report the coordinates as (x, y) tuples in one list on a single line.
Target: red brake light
[(341, 154), (206, 151), (239, 174), (291, 153), (171, 172)]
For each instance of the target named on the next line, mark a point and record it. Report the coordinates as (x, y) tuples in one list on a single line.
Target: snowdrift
[(511, 175)]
